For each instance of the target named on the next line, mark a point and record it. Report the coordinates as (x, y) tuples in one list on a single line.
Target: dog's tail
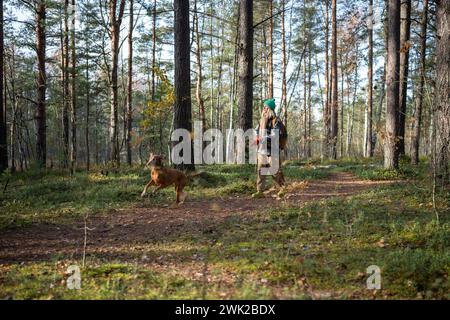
[(192, 175), (195, 173)]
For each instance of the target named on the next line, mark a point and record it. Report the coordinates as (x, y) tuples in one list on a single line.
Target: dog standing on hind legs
[(163, 177)]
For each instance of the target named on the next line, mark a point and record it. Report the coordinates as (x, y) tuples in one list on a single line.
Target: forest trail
[(123, 234)]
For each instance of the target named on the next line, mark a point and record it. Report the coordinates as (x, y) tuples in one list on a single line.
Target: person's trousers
[(266, 162)]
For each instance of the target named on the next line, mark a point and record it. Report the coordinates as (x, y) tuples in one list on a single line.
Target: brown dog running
[(163, 177)]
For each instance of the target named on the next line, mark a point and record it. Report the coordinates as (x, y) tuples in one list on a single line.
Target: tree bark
[(350, 119), (198, 88), (341, 108), (392, 86), (245, 89), (88, 110), (334, 85), (13, 99), (115, 23), (308, 140), (13, 133), (130, 83), (3, 137), (368, 147), (354, 95), (415, 139), (326, 110), (211, 57), (305, 111), (182, 106), (73, 95), (65, 87), (382, 96), (264, 65), (441, 103), (405, 26), (219, 85), (283, 64), (41, 142), (153, 49), (270, 54)]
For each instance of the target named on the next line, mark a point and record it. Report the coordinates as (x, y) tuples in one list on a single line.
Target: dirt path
[(117, 234)]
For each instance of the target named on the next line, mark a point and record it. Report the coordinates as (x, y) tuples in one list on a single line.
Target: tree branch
[(268, 18)]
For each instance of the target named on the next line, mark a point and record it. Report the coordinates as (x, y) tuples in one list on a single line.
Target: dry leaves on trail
[(112, 234)]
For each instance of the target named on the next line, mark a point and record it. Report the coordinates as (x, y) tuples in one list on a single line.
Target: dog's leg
[(181, 195), (157, 188), (178, 195), (146, 187)]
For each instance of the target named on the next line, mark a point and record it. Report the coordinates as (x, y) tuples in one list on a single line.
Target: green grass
[(55, 196), (372, 169), (318, 250)]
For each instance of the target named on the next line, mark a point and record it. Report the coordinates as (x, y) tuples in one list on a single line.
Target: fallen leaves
[(296, 186), (381, 243)]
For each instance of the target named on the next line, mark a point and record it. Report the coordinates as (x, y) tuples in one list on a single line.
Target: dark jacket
[(269, 126)]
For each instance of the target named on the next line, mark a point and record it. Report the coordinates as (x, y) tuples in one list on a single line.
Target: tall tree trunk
[(415, 140), (368, 146), (305, 97), (3, 137), (233, 89), (264, 65), (308, 141), (96, 141), (341, 109), (153, 49), (379, 129), (405, 26), (283, 64), (124, 79), (66, 94), (354, 95), (13, 99), (130, 82), (270, 54), (41, 142), (261, 65), (392, 86), (182, 107), (211, 58), (232, 100), (326, 110), (334, 84), (88, 110), (73, 151), (441, 103), (219, 84), (305, 111), (198, 88), (245, 90), (351, 119), (115, 23), (13, 134)]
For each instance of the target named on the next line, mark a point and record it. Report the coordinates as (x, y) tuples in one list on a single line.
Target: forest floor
[(314, 243)]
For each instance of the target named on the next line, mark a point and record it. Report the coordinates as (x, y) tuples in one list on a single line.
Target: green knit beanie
[(270, 103)]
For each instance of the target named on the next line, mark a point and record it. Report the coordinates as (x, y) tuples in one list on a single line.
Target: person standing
[(268, 151)]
